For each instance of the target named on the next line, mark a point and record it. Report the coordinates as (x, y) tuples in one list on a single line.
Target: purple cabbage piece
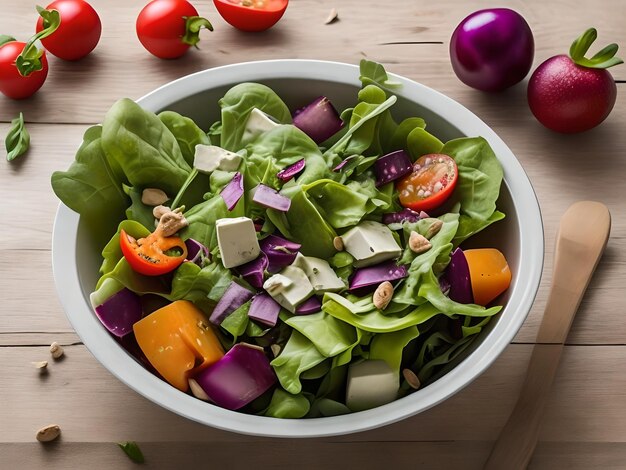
[(391, 167), (234, 297), (309, 306), (241, 375), (292, 170), (279, 251), (343, 163), (233, 191), (458, 275), (365, 280), (195, 251), (319, 120), (119, 312), (406, 214), (264, 309), (254, 270), (444, 285), (270, 198)]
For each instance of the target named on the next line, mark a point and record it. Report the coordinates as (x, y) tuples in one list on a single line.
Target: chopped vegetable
[(311, 305), (120, 312), (391, 167), (196, 251), (270, 198), (243, 374), (178, 342), (233, 191), (367, 279), (289, 172), (405, 215), (279, 251), (148, 256), (489, 273), (457, 275), (234, 297), (247, 15), (430, 184), (254, 271), (264, 309), (319, 120)]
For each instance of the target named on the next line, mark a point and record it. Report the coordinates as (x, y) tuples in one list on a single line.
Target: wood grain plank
[(90, 405), (459, 455), (82, 91)]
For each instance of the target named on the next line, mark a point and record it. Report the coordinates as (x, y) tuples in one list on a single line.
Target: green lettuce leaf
[(186, 132), (329, 335), (298, 355), (389, 346), (286, 405), (112, 252)]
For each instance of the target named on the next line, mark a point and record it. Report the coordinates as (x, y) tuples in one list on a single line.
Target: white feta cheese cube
[(370, 243), (258, 122), (370, 384), (277, 284), (294, 293), (320, 274), (208, 158), (237, 241)]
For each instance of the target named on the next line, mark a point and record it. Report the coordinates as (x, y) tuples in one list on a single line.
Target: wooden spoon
[(581, 239)]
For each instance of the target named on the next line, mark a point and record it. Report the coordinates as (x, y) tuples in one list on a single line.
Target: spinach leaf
[(338, 204), (237, 322), (286, 405), (373, 73), (438, 349), (389, 346), (304, 223), (399, 139), (298, 355), (92, 186), (202, 286), (215, 133), (329, 335), (367, 318), (478, 186), (202, 217), (137, 210), (143, 147), (186, 132), (236, 106), (421, 142), (17, 140), (134, 281)]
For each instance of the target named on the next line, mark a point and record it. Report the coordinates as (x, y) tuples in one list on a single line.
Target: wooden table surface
[(585, 424)]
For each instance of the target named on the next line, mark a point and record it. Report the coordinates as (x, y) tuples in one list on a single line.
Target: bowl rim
[(130, 372)]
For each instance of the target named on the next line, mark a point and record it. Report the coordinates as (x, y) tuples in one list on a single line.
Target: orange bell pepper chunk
[(179, 341), (489, 273)]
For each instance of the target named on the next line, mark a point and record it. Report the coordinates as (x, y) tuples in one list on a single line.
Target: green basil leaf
[(133, 451), (18, 139)]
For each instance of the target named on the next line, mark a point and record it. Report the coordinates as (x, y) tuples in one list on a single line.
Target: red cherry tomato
[(167, 28), (12, 83), (79, 31), (149, 256), (430, 184), (251, 15)]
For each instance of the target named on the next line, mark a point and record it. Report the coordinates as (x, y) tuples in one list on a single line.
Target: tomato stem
[(193, 25), (29, 60), (192, 175), (604, 59)]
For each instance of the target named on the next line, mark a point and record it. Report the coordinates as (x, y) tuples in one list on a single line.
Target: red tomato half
[(251, 15), (12, 83), (430, 183), (163, 30), (79, 31)]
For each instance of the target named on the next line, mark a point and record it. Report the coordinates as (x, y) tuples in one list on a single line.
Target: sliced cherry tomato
[(148, 255), (167, 28), (79, 31), (12, 83), (251, 15), (430, 183)]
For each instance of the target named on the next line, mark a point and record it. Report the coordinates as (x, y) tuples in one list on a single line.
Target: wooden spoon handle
[(516, 444)]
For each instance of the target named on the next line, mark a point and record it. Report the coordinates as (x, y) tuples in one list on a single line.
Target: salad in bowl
[(290, 263)]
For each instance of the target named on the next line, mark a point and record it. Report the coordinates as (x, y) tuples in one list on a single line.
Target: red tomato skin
[(79, 31), (161, 26), (435, 200), (12, 83), (569, 98), (250, 19)]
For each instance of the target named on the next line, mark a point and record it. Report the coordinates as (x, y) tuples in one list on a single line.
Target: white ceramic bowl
[(76, 257)]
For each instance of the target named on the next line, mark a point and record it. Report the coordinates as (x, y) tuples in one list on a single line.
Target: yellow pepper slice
[(178, 341)]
